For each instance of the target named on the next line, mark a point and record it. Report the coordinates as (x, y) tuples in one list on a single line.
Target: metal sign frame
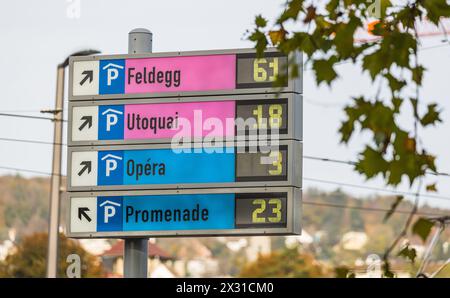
[(293, 226), (294, 128), (294, 86), (294, 170)]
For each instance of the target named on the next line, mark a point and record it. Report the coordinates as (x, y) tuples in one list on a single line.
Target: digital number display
[(258, 166), (254, 72), (261, 210), (267, 114)]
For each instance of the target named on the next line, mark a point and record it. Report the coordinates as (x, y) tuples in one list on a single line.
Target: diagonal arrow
[(88, 74), (82, 212), (87, 121), (87, 165)]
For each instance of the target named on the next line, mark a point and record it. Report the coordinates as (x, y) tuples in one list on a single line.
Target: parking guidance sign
[(196, 118), (169, 74), (186, 212)]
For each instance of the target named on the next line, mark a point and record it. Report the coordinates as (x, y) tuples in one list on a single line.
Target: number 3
[(277, 163), (276, 210)]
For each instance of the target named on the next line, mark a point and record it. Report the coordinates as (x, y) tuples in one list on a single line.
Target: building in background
[(160, 263)]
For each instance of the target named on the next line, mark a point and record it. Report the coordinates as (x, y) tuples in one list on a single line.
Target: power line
[(31, 141), (329, 160), (352, 163), (398, 192), (28, 171), (445, 44), (323, 159), (304, 202), (30, 117), (368, 208)]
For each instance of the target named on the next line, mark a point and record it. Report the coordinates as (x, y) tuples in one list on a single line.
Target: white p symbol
[(111, 119), (110, 211), (111, 165), (113, 74)]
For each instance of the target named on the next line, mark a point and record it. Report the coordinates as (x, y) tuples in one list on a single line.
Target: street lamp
[(53, 226)]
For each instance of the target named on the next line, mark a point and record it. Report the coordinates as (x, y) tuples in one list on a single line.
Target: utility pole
[(136, 249), (55, 184), (52, 254)]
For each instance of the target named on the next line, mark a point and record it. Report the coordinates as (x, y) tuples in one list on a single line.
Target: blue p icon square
[(111, 122), (112, 76), (109, 213), (110, 167)]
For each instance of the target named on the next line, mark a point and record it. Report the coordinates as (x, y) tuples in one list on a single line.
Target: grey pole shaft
[(136, 249), (53, 227)]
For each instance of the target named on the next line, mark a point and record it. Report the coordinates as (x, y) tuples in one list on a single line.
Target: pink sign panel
[(189, 73), (191, 119)]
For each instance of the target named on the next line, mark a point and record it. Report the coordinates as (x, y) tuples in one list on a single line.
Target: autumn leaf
[(277, 36), (310, 14), (431, 187)]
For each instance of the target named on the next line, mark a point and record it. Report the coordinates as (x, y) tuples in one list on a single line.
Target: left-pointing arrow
[(82, 213), (87, 165), (87, 121), (88, 74)]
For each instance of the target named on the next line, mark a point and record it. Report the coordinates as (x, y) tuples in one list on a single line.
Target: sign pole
[(136, 249)]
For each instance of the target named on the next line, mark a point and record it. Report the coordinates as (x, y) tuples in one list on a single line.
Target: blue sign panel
[(164, 166), (178, 212), (112, 76), (111, 122)]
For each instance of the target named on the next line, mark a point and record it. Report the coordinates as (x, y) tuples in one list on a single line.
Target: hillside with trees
[(327, 216)]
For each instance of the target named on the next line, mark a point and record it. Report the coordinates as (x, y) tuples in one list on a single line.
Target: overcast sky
[(37, 35)]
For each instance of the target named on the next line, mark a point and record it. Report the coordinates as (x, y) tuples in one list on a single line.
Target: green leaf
[(397, 102), (417, 74), (261, 42), (373, 64), (422, 227), (436, 9), (394, 83), (409, 253), (432, 116), (291, 12), (344, 37), (414, 105), (324, 71), (260, 21), (394, 206), (371, 163)]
